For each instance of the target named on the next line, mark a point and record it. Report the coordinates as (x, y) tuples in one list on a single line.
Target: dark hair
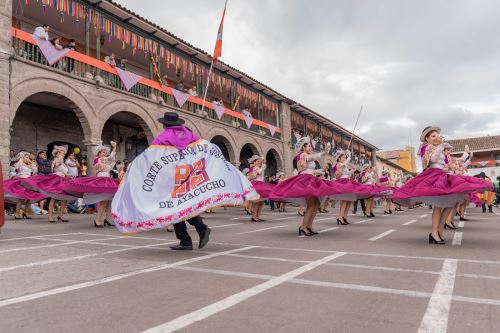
[(428, 134), (41, 152), (45, 25), (72, 40)]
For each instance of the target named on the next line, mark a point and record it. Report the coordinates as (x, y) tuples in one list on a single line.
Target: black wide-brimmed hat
[(171, 119)]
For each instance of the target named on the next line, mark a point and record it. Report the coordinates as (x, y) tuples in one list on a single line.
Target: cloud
[(411, 63)]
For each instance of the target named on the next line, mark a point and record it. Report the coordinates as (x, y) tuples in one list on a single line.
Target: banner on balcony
[(180, 97), (219, 110), (48, 50), (165, 185), (128, 79), (272, 129), (248, 120)]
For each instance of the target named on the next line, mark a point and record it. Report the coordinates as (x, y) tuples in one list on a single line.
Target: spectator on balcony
[(123, 64), (110, 59), (71, 63), (192, 91), (57, 43), (42, 32), (164, 80), (218, 101), (180, 86), (246, 112)]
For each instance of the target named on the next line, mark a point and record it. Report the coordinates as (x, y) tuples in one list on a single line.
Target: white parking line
[(438, 310), (423, 216), (457, 238), (410, 222), (220, 226), (54, 245), (85, 256), (363, 221), (258, 230), (388, 232), (55, 291), (329, 229), (461, 224), (34, 237), (207, 311)]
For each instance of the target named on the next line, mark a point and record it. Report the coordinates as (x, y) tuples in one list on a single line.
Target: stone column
[(5, 53), (286, 137), (91, 146)]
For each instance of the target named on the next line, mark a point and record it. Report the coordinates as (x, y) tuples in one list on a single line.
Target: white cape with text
[(165, 185)]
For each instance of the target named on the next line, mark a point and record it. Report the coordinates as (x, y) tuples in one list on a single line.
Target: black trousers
[(355, 206), (490, 207), (181, 230)]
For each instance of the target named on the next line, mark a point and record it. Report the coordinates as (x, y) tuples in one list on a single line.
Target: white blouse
[(310, 168), (24, 171)]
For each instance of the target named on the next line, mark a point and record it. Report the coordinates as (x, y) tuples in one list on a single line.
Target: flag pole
[(206, 88), (355, 125)]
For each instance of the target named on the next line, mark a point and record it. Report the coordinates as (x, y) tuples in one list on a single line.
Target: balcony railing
[(80, 65)]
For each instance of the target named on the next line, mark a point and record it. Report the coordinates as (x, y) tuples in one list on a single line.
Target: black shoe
[(97, 225), (354, 212), (371, 214), (106, 222), (301, 231), (446, 226), (433, 241), (463, 219), (386, 212), (27, 217), (339, 221), (261, 220), (312, 232), (301, 214), (182, 247), (457, 214), (204, 239), (345, 221), (63, 220), (390, 211), (255, 220)]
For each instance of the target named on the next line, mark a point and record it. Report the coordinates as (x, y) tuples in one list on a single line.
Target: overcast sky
[(411, 63)]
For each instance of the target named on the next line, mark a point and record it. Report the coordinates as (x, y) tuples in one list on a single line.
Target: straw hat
[(446, 145), (302, 141), (100, 148), (427, 130), (56, 149), (366, 166), (254, 158)]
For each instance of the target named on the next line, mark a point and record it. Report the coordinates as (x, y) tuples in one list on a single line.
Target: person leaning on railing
[(70, 65)]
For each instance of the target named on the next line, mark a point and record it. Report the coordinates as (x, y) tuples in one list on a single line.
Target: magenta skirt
[(14, 191), (264, 189), (472, 197), (49, 185), (92, 189), (351, 190), (436, 187)]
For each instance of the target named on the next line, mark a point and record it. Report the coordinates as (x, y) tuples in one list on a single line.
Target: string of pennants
[(186, 68)]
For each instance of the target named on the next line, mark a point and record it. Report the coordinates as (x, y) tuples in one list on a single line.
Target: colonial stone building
[(80, 100)]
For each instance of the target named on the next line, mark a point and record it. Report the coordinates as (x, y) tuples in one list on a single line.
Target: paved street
[(374, 275)]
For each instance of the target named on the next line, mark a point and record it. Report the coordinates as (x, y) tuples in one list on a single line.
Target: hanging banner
[(272, 129), (165, 185), (128, 79), (49, 51), (180, 97), (219, 110)]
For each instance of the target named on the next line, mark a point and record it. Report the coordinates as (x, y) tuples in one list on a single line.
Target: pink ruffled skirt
[(14, 190), (49, 185), (436, 187), (263, 189), (93, 189), (351, 190)]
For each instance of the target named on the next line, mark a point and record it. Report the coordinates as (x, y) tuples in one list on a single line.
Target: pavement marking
[(326, 218), (85, 256), (258, 230), (388, 232), (60, 290), (53, 245), (328, 229), (363, 221), (207, 311), (423, 216), (438, 310), (220, 226), (457, 238), (347, 286), (461, 224), (409, 222), (34, 237)]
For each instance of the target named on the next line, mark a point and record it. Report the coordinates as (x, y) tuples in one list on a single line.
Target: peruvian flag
[(218, 42)]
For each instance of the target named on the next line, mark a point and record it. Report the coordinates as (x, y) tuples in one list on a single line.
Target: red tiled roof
[(475, 144)]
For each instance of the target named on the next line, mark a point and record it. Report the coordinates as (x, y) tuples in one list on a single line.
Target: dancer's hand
[(113, 144)]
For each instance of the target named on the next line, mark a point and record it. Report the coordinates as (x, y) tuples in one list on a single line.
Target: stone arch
[(274, 162), (60, 89), (225, 146), (147, 121), (247, 151), (192, 126), (252, 143)]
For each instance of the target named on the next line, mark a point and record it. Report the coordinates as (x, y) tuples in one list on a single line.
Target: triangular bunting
[(49, 51), (248, 120), (272, 129), (219, 109), (313, 143), (297, 136), (128, 79), (180, 97)]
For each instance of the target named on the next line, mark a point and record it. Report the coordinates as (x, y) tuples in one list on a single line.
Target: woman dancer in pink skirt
[(367, 178), (15, 192), (100, 188), (350, 189), (386, 180), (435, 186), (256, 177), (305, 189), (52, 185)]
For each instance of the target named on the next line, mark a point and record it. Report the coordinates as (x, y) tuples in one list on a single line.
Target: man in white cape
[(175, 180)]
